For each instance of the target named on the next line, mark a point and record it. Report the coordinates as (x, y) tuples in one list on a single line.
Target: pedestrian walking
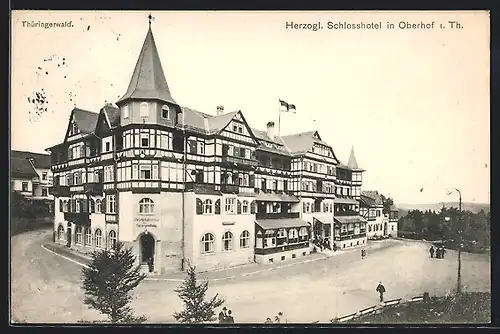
[(268, 321), (363, 253), (438, 253), (431, 251), (381, 290), (229, 318), (222, 315), (443, 251)]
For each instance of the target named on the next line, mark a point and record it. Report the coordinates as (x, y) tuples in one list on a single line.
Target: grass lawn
[(472, 307)]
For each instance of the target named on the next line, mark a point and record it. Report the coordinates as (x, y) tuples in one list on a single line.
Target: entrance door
[(68, 238), (147, 245), (385, 228)]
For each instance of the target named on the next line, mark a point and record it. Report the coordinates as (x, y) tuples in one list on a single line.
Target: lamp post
[(459, 236)]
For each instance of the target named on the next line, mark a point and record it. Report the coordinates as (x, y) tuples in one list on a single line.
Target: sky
[(414, 103)]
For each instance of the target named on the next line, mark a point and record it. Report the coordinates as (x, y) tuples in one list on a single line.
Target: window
[(293, 234), (245, 207), (303, 232), (378, 213), (245, 239), (207, 206), (144, 109), (107, 149), (98, 206), (146, 206), (112, 239), (235, 128), (91, 205), (45, 192), (227, 241), (111, 202), (25, 186), (66, 206), (281, 233), (78, 235), (165, 111), (145, 172), (126, 112), (88, 237), (77, 205), (108, 174), (207, 243), (74, 128), (60, 233), (229, 206), (201, 147), (98, 238), (144, 140), (240, 129), (44, 176)]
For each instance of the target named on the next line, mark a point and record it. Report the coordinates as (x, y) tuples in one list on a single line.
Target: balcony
[(279, 249), (60, 191), (200, 188), (277, 215), (229, 188), (228, 159), (346, 236), (79, 218), (346, 213), (93, 188)]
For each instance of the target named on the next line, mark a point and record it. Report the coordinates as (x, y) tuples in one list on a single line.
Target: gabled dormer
[(148, 98), (81, 123)]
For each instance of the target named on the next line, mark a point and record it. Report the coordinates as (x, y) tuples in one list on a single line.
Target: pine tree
[(196, 309), (108, 282)]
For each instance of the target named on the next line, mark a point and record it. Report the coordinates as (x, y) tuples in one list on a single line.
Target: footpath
[(227, 273)]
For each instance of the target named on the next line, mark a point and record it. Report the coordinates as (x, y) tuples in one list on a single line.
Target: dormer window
[(126, 112), (165, 112), (144, 109), (74, 128)]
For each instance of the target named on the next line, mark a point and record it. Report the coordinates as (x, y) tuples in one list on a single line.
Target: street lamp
[(459, 270)]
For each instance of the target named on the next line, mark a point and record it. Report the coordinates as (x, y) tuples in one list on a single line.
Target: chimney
[(220, 110), (270, 130)]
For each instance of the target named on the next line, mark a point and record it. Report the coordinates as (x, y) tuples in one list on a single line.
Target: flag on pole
[(288, 106), (291, 107), (284, 104)]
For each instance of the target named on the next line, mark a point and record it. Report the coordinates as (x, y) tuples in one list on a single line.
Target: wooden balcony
[(79, 218), (229, 188), (60, 191), (346, 213), (347, 236), (283, 248), (94, 188), (201, 188), (232, 160), (278, 215)]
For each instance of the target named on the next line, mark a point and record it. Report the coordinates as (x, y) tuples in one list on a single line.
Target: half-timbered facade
[(371, 208), (179, 185)]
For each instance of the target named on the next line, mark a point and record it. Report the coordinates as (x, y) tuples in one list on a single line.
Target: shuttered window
[(199, 206)]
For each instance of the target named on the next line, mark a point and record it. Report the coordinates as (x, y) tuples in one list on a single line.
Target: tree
[(108, 281), (196, 309)]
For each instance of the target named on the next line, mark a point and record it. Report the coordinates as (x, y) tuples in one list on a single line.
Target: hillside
[(467, 206)]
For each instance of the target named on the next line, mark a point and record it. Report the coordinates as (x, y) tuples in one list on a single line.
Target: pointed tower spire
[(148, 80), (352, 164)]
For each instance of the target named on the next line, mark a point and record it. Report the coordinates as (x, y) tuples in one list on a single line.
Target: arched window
[(144, 109), (245, 207), (98, 238), (165, 112), (308, 207), (303, 232), (78, 235), (112, 239), (146, 206), (292, 233), (207, 206), (92, 206), (66, 206), (207, 243), (227, 241), (61, 204), (304, 208), (98, 208), (245, 239), (88, 237), (60, 233), (253, 206), (126, 112)]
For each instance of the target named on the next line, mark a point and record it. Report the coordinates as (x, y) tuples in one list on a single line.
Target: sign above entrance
[(146, 221)]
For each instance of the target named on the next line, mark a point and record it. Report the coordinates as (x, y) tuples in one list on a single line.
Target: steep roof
[(148, 79), (85, 120), (21, 166), (112, 115), (374, 195), (353, 163)]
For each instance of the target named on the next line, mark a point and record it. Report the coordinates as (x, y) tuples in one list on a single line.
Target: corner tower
[(148, 98)]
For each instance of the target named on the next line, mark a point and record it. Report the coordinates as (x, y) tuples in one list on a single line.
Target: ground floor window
[(98, 238), (60, 233), (78, 235), (245, 239), (88, 237), (112, 239), (207, 243), (227, 241)]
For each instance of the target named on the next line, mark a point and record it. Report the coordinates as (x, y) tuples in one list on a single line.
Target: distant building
[(371, 208), (391, 219), (31, 175)]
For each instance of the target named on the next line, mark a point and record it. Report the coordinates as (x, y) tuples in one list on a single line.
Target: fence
[(375, 309)]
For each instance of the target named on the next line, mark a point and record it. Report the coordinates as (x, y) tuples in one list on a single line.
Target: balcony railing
[(347, 213), (279, 249), (60, 191), (93, 188), (277, 215), (79, 218), (229, 159), (200, 188), (349, 237), (230, 188)]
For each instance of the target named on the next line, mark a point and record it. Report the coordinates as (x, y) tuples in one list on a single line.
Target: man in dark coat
[(431, 251), (443, 251), (438, 253), (381, 290), (222, 315), (229, 318), (363, 253)]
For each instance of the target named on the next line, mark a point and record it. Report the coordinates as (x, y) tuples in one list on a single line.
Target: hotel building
[(179, 185)]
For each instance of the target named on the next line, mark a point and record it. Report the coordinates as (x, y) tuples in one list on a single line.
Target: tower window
[(126, 112), (144, 109), (165, 112)]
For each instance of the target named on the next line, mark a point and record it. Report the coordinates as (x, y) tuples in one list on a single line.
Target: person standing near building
[(363, 253), (222, 315), (431, 251), (381, 290), (229, 318)]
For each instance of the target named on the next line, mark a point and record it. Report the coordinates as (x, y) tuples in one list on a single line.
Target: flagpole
[(279, 122)]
